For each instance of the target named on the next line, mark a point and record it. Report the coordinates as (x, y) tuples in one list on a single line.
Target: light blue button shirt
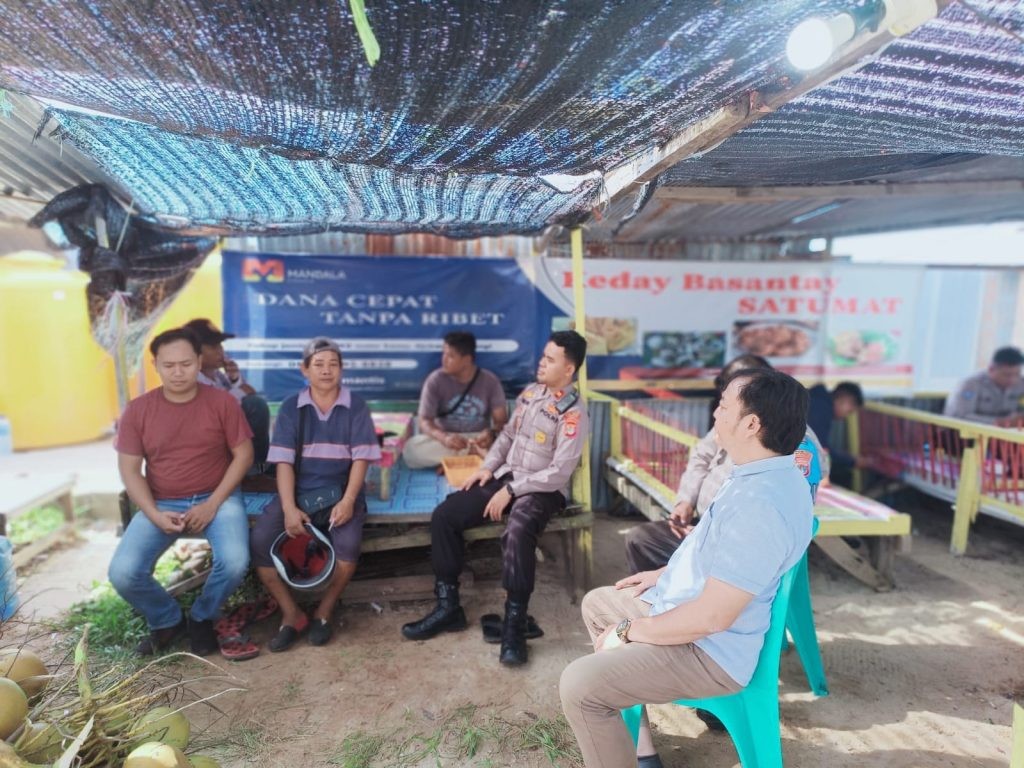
[(756, 529)]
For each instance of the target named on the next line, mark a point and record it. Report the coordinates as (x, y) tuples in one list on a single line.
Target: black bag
[(318, 502)]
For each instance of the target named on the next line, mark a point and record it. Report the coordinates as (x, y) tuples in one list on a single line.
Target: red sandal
[(238, 648)]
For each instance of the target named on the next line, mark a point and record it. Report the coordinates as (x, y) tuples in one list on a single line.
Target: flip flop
[(235, 622), (238, 648), (491, 624), (286, 636)]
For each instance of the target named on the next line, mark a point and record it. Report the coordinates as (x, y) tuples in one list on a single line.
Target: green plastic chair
[(800, 626), (751, 716)]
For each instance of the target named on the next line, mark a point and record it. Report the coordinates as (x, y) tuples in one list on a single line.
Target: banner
[(650, 319), (388, 314)]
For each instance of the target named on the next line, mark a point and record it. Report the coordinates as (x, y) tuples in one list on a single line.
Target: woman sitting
[(323, 442)]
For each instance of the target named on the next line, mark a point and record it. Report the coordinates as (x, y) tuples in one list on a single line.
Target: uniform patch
[(967, 394), (803, 462), (540, 437), (570, 422)]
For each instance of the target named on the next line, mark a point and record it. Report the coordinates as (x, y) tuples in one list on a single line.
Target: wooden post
[(965, 508), (853, 438), (1017, 750), (616, 428), (576, 239), (584, 544)]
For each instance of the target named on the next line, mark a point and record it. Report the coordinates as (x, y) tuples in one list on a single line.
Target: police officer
[(992, 396), (526, 473)]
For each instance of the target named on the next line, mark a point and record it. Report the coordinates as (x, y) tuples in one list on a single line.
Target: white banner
[(675, 319)]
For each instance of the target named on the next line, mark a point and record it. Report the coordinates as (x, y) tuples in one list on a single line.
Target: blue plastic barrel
[(8, 580)]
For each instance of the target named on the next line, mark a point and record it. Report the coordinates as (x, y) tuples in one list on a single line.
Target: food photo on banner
[(388, 314)]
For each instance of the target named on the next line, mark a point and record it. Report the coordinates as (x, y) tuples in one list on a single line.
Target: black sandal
[(286, 637), (320, 633)]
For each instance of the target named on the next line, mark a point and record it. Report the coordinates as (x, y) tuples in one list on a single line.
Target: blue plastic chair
[(751, 716)]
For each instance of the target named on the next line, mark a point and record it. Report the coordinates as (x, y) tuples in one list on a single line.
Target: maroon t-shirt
[(187, 446)]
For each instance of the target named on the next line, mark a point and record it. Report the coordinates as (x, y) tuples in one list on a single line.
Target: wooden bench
[(22, 493), (393, 532), (573, 528)]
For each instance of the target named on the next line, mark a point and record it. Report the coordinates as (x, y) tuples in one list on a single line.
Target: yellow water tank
[(56, 382), (201, 297)]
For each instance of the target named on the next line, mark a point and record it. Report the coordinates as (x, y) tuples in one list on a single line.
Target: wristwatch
[(622, 630), (511, 493)]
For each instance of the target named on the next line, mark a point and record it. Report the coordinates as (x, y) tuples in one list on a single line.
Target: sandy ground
[(922, 676)]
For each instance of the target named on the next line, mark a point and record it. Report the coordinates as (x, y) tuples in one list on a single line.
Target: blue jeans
[(131, 570)]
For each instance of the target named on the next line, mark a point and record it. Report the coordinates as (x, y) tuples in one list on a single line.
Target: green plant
[(357, 750), (115, 627), (35, 524)]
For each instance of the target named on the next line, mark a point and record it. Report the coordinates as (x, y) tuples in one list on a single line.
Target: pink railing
[(661, 456), (903, 448), (1002, 471)]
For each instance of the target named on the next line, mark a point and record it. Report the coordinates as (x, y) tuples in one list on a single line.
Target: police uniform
[(979, 398), (534, 457)]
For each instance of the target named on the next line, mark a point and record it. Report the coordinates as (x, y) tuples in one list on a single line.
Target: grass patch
[(466, 736), (358, 750), (115, 627), (34, 525)]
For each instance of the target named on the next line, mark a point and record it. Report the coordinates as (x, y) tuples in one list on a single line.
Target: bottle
[(6, 440), (926, 450)]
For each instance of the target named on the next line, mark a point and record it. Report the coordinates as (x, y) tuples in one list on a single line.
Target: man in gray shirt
[(462, 407), (994, 395)]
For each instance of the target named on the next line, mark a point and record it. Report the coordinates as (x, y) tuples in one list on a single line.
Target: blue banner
[(388, 314)]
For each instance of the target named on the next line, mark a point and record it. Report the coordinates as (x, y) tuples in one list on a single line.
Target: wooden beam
[(725, 195), (708, 133)]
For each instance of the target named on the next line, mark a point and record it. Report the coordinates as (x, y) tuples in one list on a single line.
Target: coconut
[(25, 668), (153, 754), (202, 761), (13, 707), (41, 743), (162, 724)]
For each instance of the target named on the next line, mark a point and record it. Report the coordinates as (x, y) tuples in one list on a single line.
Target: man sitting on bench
[(526, 473), (462, 407), (196, 447)]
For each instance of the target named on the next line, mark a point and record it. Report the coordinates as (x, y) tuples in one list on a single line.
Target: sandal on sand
[(238, 648), (321, 632), (286, 636)]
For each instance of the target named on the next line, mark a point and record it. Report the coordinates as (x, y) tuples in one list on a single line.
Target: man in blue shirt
[(695, 628)]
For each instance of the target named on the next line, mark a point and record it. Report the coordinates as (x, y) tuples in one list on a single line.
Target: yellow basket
[(457, 469)]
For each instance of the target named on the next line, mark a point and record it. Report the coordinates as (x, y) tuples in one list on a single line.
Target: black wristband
[(511, 493)]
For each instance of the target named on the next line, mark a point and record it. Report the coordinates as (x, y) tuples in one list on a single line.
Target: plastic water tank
[(57, 386), (8, 580)]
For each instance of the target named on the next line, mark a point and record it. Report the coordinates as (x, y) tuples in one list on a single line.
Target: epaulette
[(567, 401)]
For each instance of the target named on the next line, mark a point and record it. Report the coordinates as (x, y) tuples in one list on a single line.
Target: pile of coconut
[(90, 720)]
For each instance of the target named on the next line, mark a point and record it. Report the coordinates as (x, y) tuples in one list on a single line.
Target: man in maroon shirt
[(196, 446)]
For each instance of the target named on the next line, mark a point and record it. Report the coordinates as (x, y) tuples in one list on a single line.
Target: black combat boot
[(447, 615), (513, 635)]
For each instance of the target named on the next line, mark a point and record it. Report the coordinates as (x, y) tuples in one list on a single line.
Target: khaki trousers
[(595, 687)]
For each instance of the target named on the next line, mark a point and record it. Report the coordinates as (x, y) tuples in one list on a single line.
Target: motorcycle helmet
[(304, 562)]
